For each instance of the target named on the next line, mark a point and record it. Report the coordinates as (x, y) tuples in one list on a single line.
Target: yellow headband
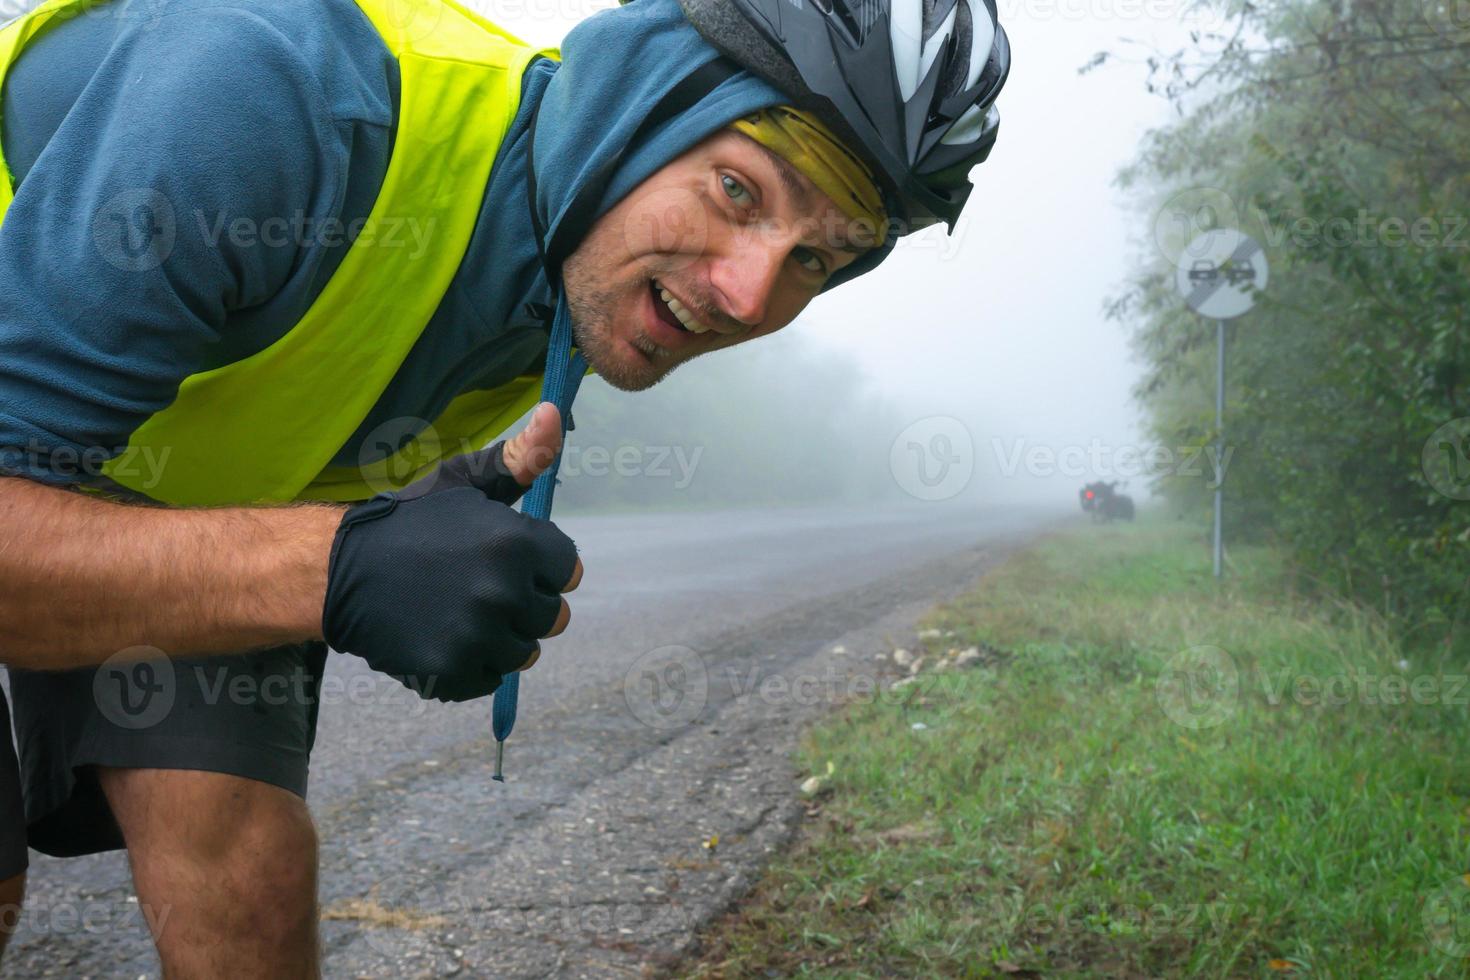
[(813, 149)]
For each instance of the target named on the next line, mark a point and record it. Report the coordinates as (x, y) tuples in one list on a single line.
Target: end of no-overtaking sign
[(1221, 272)]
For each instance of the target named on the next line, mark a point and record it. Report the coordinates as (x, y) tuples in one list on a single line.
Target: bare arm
[(82, 578)]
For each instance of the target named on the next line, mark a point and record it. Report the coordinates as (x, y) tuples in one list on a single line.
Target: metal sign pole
[(1220, 274), (1219, 442)]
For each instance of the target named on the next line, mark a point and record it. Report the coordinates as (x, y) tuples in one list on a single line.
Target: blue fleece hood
[(592, 146)]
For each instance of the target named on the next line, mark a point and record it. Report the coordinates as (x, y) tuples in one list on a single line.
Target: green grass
[(1101, 799)]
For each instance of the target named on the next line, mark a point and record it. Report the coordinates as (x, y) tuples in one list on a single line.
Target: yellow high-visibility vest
[(265, 429)]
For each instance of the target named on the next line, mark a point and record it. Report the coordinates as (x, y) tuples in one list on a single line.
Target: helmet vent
[(857, 16), (957, 58), (935, 14)]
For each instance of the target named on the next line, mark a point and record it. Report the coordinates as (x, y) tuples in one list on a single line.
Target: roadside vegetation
[(1338, 136), (1144, 774)]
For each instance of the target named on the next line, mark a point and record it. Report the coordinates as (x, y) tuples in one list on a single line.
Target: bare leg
[(12, 891), (225, 870)]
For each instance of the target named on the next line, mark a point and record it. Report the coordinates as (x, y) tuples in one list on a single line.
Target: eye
[(819, 266), (733, 188)]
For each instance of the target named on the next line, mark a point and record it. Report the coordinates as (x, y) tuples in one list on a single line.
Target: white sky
[(1001, 325)]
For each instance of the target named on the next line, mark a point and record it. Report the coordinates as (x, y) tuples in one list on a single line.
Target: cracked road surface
[(699, 646)]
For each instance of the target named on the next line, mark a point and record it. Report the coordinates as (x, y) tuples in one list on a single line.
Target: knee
[(249, 821), (267, 852), (246, 843)]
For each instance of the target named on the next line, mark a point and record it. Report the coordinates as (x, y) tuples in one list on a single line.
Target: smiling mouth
[(674, 313)]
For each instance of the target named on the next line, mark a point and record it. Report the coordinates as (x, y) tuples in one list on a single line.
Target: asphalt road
[(699, 646)]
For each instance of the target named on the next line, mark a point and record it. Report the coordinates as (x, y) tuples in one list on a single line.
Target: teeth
[(685, 317)]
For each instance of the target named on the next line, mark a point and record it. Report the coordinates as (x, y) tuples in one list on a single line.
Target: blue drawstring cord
[(564, 371)]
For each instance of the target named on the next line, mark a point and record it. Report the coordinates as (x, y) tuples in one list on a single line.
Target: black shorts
[(13, 854), (252, 715)]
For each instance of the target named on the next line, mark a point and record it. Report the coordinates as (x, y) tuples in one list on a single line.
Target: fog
[(988, 347)]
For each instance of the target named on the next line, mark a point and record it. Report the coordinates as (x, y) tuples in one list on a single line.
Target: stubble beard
[(591, 301)]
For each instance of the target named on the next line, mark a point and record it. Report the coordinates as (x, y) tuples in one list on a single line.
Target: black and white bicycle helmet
[(909, 85)]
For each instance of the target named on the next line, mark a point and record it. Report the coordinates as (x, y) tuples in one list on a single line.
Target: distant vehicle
[(1105, 503), (1088, 497)]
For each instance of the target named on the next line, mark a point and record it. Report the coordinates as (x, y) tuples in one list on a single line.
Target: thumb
[(534, 448)]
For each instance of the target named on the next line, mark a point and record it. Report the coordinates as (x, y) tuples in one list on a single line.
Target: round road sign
[(1221, 272)]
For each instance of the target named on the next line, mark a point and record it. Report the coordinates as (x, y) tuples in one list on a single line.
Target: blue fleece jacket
[(185, 171)]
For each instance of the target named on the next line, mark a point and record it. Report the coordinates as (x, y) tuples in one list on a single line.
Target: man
[(268, 263)]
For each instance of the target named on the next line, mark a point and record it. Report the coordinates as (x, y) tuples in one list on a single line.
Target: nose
[(744, 278)]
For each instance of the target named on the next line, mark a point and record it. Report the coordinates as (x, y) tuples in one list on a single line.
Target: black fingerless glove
[(442, 585)]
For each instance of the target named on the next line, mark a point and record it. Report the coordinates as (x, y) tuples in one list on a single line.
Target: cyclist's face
[(738, 237)]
